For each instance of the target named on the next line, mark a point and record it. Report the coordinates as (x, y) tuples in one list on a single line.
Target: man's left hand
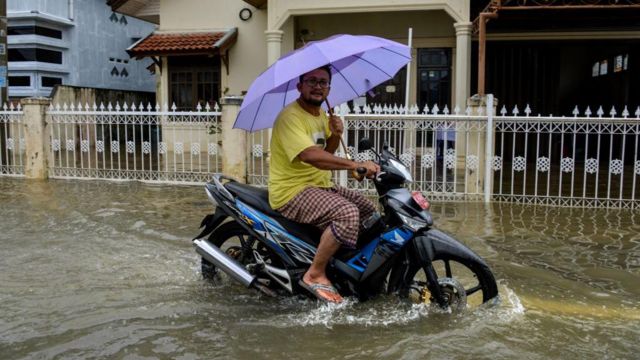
[(335, 125)]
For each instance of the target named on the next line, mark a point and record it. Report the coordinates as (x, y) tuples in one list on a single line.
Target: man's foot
[(322, 291)]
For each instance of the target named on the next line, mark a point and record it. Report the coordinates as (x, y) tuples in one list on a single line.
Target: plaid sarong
[(339, 208)]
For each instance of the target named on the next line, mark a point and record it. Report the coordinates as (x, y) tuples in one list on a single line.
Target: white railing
[(12, 141), (258, 158), (134, 143), (568, 161), (425, 143), (442, 152), (587, 160)]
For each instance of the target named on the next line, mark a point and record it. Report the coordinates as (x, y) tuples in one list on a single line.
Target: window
[(48, 81), (193, 80), (19, 80), (31, 54), (34, 30)]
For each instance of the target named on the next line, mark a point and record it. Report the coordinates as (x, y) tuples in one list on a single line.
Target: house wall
[(281, 10), (92, 45), (247, 58), (97, 40), (431, 29), (56, 8)]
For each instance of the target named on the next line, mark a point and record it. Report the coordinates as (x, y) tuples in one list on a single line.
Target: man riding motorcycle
[(300, 188)]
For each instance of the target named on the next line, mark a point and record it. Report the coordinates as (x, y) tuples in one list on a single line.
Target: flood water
[(107, 270)]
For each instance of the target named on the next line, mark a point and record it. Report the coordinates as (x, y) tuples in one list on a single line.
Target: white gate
[(134, 143), (12, 141)]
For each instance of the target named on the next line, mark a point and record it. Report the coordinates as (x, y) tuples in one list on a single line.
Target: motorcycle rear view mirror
[(365, 144)]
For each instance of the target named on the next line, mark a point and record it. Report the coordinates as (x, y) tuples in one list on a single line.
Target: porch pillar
[(274, 50), (274, 44), (462, 89), (36, 136), (463, 63), (234, 141), (480, 143)]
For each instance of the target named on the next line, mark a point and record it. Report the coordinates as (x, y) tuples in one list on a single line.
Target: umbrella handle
[(355, 173)]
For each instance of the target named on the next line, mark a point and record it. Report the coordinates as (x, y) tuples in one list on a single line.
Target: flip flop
[(313, 289)]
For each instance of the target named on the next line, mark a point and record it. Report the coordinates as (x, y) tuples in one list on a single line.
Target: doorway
[(434, 77)]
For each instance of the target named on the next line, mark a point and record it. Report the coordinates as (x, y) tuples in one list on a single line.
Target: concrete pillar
[(462, 86), (234, 141), (477, 181), (36, 136), (274, 51), (463, 63), (162, 96), (274, 45)]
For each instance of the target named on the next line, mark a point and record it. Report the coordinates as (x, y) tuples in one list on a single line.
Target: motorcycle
[(398, 251)]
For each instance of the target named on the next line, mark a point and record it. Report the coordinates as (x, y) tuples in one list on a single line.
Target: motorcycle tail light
[(417, 196)]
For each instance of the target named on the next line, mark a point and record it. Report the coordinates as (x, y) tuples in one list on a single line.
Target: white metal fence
[(584, 160), (577, 161), (134, 143), (587, 160), (12, 141)]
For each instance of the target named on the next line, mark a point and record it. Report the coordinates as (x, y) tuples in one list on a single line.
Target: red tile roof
[(183, 43)]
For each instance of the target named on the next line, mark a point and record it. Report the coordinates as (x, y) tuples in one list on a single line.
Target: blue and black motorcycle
[(398, 251)]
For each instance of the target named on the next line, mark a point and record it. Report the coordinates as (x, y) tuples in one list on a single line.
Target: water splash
[(384, 312)]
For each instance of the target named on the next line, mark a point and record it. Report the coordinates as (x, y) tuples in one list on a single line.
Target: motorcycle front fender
[(431, 243)]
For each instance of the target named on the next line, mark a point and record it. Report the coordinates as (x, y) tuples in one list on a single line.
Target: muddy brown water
[(106, 270)]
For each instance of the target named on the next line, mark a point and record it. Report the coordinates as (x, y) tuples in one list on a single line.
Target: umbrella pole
[(344, 147)]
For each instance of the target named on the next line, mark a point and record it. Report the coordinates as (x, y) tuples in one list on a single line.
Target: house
[(205, 49), (76, 43), (559, 54), (542, 53)]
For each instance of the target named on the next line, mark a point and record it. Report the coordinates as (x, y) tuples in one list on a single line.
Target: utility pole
[(3, 79), (4, 83)]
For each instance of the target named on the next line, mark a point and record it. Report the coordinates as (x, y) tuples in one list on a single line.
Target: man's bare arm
[(321, 159), (324, 160), (332, 144)]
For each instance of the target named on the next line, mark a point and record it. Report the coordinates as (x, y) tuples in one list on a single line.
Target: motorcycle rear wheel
[(239, 244)]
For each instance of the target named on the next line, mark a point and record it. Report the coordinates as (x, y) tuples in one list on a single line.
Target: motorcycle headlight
[(401, 169), (412, 223)]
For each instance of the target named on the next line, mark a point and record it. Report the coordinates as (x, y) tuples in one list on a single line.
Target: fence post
[(488, 155), (36, 136), (234, 141), (342, 174)]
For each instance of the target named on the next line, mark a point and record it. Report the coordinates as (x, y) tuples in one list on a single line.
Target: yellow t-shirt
[(295, 130)]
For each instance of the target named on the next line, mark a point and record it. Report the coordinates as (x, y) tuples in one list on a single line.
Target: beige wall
[(430, 29), (247, 58), (432, 22), (281, 10)]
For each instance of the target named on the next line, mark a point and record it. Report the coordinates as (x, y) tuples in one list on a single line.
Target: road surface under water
[(106, 270)]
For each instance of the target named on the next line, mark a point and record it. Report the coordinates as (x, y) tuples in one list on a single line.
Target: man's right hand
[(371, 167)]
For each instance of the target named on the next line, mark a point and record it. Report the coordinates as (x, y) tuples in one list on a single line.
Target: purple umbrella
[(358, 63)]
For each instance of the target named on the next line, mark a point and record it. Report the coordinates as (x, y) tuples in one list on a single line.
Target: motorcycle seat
[(259, 199)]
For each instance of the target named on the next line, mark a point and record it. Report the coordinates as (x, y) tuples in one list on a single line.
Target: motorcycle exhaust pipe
[(224, 262)]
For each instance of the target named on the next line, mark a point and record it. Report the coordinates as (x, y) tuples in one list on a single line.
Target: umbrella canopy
[(358, 63)]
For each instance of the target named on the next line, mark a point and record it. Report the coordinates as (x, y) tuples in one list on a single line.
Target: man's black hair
[(326, 68)]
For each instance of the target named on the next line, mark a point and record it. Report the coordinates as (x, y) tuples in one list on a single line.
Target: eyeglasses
[(312, 82)]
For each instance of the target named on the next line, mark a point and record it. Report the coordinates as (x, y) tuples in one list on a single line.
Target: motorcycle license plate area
[(419, 198)]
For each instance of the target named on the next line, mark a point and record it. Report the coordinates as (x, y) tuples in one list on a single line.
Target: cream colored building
[(259, 32)]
